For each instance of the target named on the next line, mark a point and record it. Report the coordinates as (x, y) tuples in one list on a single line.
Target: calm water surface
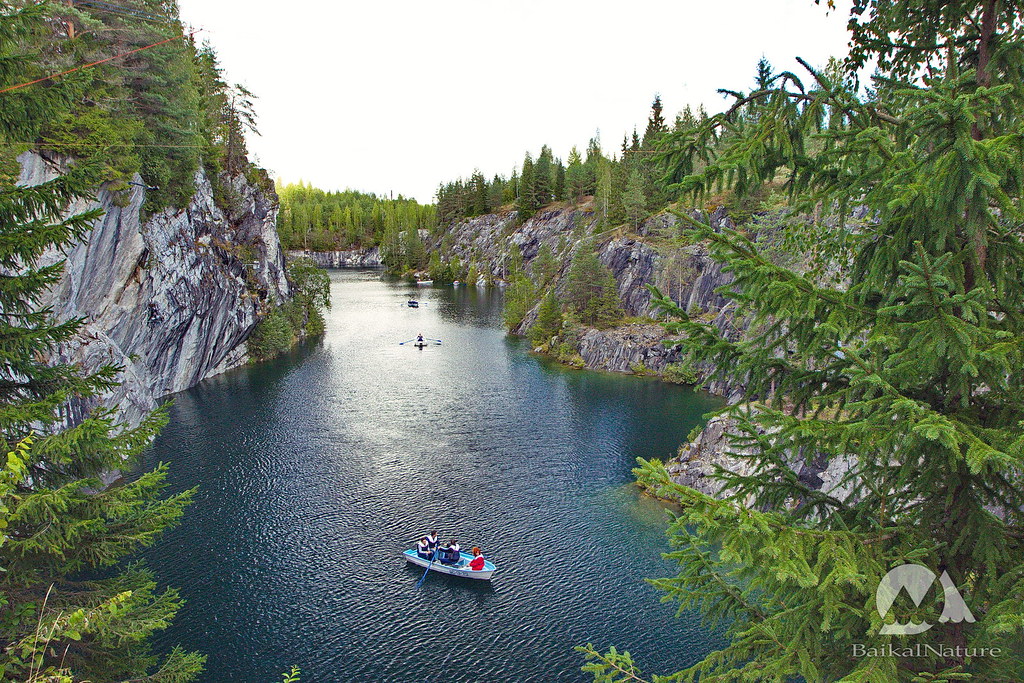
[(318, 469)]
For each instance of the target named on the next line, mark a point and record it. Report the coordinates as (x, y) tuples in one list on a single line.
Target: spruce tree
[(634, 202), (60, 616), (549, 320), (544, 267), (542, 177), (904, 372), (655, 125), (591, 290), (526, 202), (575, 177)]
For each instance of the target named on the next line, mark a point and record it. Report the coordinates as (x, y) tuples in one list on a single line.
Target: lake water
[(317, 470)]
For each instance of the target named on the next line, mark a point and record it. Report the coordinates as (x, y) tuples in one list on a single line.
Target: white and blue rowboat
[(461, 569)]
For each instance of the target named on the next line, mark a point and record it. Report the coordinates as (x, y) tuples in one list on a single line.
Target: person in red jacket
[(477, 563)]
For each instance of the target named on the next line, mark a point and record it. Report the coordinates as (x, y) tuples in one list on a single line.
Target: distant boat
[(461, 569), (424, 282), (456, 283), (413, 304)]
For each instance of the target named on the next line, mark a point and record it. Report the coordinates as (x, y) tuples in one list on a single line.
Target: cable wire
[(86, 66)]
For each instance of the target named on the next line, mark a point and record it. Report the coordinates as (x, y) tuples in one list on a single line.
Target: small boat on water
[(413, 304), (461, 569), (424, 282)]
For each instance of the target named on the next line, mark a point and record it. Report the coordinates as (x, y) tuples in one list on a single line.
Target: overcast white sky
[(396, 95)]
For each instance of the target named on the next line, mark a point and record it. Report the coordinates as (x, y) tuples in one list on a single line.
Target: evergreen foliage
[(909, 374), (326, 221), (58, 519), (300, 318), (591, 291), (160, 112), (549, 319), (544, 267), (634, 203)]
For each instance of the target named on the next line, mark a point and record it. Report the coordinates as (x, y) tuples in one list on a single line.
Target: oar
[(427, 570), (407, 342)]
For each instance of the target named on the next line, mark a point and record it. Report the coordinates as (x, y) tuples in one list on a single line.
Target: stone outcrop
[(171, 298), (637, 259), (351, 258), (699, 460), (635, 348)]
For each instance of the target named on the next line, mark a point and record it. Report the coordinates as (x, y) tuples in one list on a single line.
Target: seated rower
[(423, 548), (454, 545), (448, 555), (477, 563)]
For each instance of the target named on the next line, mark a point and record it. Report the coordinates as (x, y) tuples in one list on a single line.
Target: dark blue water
[(318, 469)]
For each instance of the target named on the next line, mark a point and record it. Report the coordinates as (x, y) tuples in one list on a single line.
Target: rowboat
[(420, 345), (413, 304), (461, 569), (424, 282)]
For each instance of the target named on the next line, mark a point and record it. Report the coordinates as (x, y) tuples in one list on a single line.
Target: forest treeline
[(626, 187), (318, 220)]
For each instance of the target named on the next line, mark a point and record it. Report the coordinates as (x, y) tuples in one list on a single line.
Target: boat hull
[(462, 569)]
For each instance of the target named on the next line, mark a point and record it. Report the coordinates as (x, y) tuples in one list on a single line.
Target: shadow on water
[(317, 469)]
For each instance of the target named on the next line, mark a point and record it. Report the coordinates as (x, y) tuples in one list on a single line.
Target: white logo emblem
[(917, 579)]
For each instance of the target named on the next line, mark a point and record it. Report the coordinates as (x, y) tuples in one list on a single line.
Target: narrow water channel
[(318, 469)]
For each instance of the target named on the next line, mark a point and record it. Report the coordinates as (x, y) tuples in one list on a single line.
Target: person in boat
[(477, 563), (419, 337), (432, 541), (444, 554), (454, 545), (423, 548)]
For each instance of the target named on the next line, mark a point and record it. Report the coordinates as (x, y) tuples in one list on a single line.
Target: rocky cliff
[(352, 258), (171, 298), (658, 253), (697, 462)]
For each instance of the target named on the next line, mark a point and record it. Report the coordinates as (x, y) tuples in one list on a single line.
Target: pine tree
[(906, 373), (479, 184), (558, 185), (634, 203), (603, 196), (57, 518)]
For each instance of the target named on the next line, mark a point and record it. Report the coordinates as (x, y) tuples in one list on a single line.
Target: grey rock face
[(172, 298), (627, 349), (350, 258), (697, 462), (687, 275)]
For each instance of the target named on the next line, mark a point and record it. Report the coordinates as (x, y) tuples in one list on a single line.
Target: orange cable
[(86, 66)]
